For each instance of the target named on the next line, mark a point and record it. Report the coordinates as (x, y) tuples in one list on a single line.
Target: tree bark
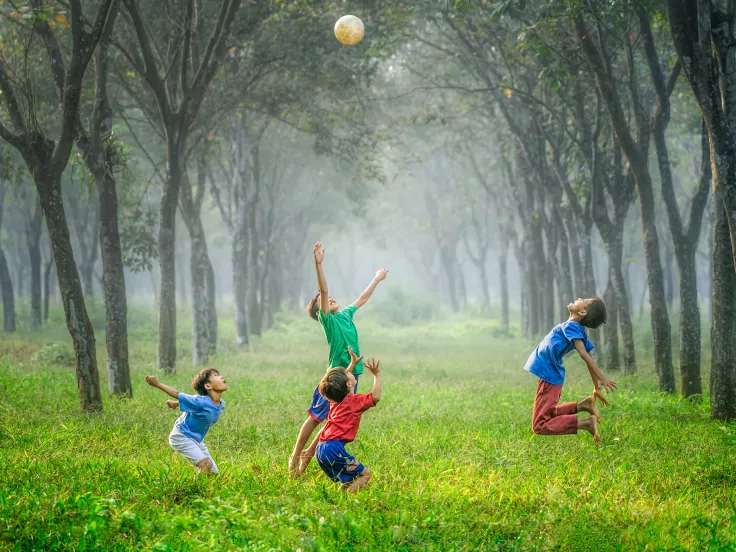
[(723, 329), (610, 329), (77, 320), (47, 283), (33, 242), (6, 288)]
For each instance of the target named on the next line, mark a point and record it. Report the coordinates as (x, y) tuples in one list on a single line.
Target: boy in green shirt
[(341, 334)]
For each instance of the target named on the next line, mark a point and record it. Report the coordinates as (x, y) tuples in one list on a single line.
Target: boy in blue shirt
[(546, 363), (200, 412), (341, 335)]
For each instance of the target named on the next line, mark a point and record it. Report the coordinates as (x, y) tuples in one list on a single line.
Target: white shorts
[(192, 450)]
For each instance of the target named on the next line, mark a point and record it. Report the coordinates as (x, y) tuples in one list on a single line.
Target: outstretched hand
[(319, 253), (373, 366), (354, 359), (381, 274), (608, 384)]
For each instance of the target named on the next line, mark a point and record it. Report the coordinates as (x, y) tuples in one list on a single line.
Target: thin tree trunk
[(47, 288), (723, 329), (504, 284), (610, 329), (33, 241), (6, 288), (210, 286)]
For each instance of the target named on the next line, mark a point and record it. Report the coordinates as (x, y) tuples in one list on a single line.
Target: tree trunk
[(610, 329), (723, 329), (6, 289), (47, 288), (167, 262), (33, 241), (690, 383), (669, 284), (210, 286), (485, 288), (113, 280), (77, 320), (200, 307), (504, 284)]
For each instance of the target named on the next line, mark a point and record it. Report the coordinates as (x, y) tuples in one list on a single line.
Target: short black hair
[(334, 385), (596, 314), (313, 307), (202, 378)]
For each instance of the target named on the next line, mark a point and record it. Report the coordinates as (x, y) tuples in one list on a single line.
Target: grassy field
[(455, 464)]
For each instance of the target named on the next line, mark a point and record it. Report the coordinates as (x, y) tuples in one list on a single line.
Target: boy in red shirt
[(346, 408)]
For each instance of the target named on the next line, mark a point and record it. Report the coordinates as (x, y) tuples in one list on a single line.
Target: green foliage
[(55, 354)]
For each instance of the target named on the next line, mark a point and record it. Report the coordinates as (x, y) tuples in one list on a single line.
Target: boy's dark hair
[(596, 314), (334, 385), (201, 379), (313, 307)]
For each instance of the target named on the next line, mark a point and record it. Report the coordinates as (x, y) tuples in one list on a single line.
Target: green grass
[(455, 464)]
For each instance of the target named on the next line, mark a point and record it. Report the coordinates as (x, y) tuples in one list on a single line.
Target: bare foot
[(591, 425), (589, 405)]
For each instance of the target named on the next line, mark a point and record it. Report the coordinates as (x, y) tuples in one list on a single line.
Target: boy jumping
[(200, 412), (546, 363), (341, 333), (346, 408)]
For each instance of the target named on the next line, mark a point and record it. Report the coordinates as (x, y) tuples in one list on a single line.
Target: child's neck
[(575, 317), (215, 396)]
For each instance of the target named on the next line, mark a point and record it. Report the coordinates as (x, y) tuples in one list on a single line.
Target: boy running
[(341, 334), (200, 412), (546, 363), (346, 408)]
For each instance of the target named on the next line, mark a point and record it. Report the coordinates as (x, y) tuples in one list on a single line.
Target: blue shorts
[(336, 462), (320, 407)]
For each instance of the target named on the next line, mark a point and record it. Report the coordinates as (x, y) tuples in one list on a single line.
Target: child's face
[(334, 306), (579, 306), (217, 383), (351, 383)]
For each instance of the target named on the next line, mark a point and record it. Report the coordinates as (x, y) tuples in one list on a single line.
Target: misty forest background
[(166, 167)]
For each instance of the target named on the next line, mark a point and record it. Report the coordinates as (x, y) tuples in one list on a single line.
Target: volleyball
[(349, 30)]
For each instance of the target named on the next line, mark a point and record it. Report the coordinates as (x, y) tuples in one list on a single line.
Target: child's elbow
[(376, 399)]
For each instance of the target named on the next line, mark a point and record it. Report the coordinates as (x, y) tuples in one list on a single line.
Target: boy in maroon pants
[(546, 363)]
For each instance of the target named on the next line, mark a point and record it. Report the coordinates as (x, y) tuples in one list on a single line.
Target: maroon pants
[(550, 419)]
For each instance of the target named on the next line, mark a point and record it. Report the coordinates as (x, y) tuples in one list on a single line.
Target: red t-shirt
[(344, 418)]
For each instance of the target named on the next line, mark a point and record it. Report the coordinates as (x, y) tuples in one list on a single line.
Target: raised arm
[(363, 299), (373, 366), (354, 359), (595, 374), (324, 297), (153, 381)]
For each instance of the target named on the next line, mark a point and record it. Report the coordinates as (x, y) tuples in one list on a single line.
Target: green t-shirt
[(341, 334)]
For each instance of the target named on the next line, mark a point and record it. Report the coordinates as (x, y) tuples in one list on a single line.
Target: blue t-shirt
[(546, 360), (200, 413)]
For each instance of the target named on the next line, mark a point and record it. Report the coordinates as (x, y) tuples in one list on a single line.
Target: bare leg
[(358, 483), (588, 405), (591, 425), (305, 433)]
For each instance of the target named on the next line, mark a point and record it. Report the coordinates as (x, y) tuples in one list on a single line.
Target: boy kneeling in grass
[(346, 408), (546, 363), (200, 412)]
